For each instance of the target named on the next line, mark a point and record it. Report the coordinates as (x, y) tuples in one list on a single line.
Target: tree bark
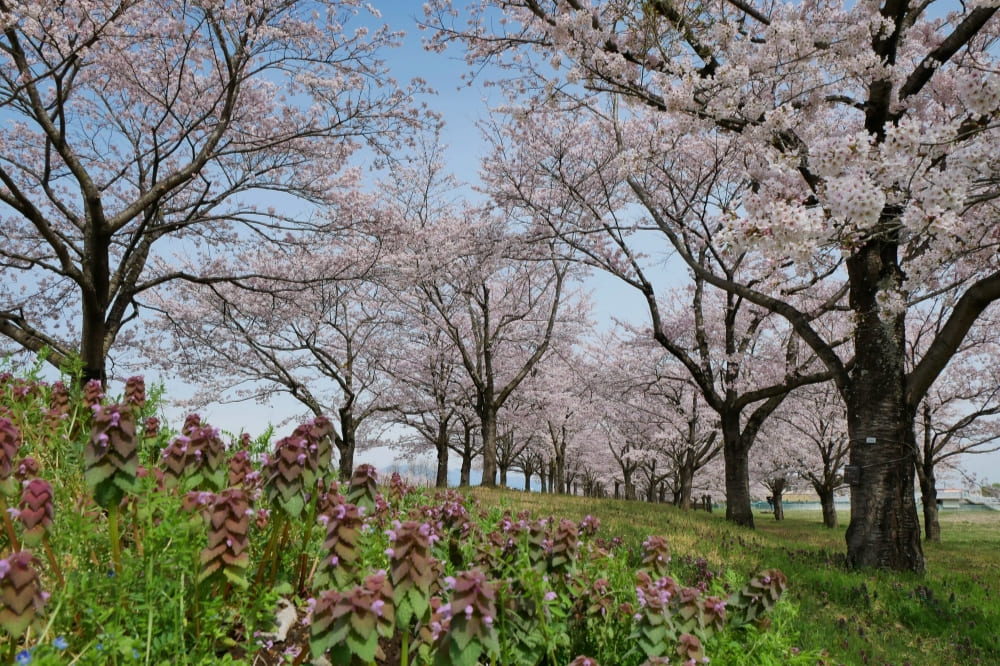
[(559, 468), (826, 501), (737, 472), (928, 482), (345, 447), (346, 443), (928, 496), (777, 491), (465, 475), (488, 418), (94, 310), (441, 481), (685, 483), (884, 531), (629, 486)]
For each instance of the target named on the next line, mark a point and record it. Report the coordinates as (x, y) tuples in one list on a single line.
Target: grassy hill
[(950, 615)]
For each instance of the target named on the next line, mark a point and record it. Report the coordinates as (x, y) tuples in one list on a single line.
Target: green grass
[(950, 615)]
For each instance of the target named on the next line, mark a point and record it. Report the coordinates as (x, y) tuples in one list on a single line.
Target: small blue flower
[(23, 657), (60, 643)]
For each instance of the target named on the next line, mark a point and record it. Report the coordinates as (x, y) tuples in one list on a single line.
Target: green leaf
[(236, 578), (461, 635), (361, 646), (467, 656), (107, 493), (293, 505), (363, 624), (94, 475), (404, 612)]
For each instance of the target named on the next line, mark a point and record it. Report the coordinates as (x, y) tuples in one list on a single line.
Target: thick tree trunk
[(441, 478), (737, 472), (826, 501), (884, 531), (685, 483), (92, 339), (559, 470), (95, 301), (777, 491), (928, 483), (345, 448), (488, 419), (928, 496), (503, 476), (345, 444), (465, 475), (544, 478)]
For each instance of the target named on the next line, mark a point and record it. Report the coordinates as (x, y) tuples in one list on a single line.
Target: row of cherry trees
[(184, 190), (815, 160)]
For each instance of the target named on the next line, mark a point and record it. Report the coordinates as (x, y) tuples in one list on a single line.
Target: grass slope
[(950, 615)]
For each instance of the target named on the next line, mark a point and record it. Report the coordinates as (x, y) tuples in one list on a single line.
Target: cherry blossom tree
[(326, 344), (813, 425), (557, 399), (691, 442), (468, 444), (864, 136), (498, 297), (426, 392), (135, 128), (960, 414)]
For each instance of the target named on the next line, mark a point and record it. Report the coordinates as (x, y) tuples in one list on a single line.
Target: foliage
[(161, 561)]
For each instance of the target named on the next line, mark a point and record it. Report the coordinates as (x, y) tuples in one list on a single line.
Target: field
[(951, 615), (127, 542)]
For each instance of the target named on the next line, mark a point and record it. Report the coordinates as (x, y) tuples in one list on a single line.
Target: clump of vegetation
[(159, 544)]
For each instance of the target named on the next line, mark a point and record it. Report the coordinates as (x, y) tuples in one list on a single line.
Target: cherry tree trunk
[(541, 473), (928, 497), (826, 502), (559, 472), (345, 447), (737, 472), (884, 531), (503, 476), (629, 486), (488, 418), (685, 482), (777, 492), (93, 331), (346, 443), (527, 479), (441, 481), (465, 475)]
